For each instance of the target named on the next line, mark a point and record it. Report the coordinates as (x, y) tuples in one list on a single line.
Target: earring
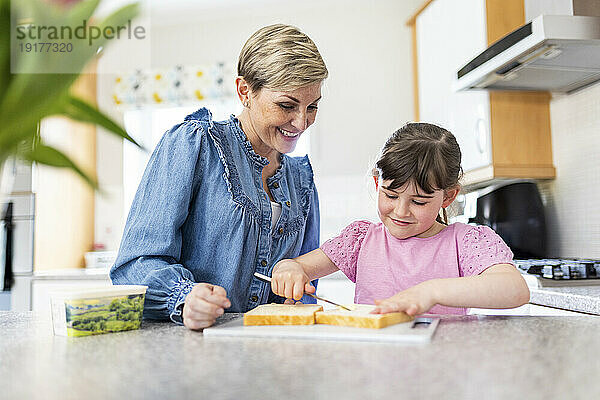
[(246, 103)]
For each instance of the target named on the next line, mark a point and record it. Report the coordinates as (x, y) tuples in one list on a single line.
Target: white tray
[(418, 331)]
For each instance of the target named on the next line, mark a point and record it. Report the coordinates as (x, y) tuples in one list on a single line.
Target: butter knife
[(268, 279)]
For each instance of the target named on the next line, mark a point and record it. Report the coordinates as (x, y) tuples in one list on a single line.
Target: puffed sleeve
[(311, 237), (343, 250), (312, 231), (151, 245), (479, 249)]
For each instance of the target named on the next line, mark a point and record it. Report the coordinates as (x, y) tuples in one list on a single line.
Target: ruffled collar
[(241, 136)]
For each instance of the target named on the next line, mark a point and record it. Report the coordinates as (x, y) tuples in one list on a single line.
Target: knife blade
[(268, 279)]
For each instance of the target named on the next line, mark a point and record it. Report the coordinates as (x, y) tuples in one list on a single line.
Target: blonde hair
[(280, 57)]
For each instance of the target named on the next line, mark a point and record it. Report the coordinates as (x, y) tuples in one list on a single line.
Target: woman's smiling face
[(274, 120)]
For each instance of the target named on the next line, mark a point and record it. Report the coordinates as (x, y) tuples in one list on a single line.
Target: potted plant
[(28, 93)]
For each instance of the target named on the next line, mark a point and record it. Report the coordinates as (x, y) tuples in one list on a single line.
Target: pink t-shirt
[(382, 265)]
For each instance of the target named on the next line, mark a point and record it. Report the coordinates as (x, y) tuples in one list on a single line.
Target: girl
[(412, 260)]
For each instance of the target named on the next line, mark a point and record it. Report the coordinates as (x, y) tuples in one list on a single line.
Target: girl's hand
[(203, 305), (289, 280), (413, 301)]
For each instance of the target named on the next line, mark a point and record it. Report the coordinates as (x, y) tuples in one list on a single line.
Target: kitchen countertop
[(573, 298), (582, 298), (470, 357), (73, 273)]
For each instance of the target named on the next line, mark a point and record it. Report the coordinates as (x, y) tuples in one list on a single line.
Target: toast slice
[(359, 317), (282, 314)]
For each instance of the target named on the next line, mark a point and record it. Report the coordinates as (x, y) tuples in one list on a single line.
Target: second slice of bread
[(282, 314), (359, 317)]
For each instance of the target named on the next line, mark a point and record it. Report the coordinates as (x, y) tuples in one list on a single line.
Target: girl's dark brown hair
[(425, 154)]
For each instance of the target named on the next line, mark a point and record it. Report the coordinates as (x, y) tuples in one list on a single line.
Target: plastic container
[(96, 310), (100, 259)]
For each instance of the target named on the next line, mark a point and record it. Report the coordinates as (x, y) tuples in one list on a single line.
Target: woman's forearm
[(502, 289)]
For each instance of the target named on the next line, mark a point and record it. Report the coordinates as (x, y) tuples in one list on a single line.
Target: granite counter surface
[(470, 357), (582, 298)]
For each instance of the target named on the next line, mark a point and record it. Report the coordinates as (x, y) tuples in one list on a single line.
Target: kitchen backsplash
[(344, 199), (572, 210)]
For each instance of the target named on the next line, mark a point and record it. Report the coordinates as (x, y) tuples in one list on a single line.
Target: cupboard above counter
[(503, 135)]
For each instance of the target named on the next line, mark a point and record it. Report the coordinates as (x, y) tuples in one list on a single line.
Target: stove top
[(561, 269)]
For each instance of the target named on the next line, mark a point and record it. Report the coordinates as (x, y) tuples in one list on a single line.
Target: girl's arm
[(291, 277), (311, 235), (499, 286)]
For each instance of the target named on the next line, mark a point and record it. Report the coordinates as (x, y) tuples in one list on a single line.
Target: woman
[(221, 200)]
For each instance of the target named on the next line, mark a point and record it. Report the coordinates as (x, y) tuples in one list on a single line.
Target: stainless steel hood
[(557, 53)]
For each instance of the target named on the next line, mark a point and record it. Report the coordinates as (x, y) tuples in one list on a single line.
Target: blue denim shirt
[(201, 214)]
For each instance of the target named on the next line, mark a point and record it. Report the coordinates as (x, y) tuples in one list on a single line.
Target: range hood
[(557, 53)]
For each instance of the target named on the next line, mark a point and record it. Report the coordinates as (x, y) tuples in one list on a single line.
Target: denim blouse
[(201, 214)]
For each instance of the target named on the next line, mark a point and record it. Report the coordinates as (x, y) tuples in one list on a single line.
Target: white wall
[(368, 95), (573, 215)]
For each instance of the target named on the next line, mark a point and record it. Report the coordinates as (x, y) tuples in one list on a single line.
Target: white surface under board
[(419, 331)]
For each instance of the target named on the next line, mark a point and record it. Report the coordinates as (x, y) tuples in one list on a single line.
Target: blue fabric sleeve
[(312, 231), (151, 245), (312, 236)]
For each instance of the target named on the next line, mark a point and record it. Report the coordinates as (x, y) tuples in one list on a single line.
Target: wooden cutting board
[(418, 331)]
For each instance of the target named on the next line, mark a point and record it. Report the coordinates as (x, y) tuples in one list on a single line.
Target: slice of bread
[(282, 314), (359, 317)]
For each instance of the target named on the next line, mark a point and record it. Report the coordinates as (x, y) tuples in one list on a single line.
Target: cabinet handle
[(481, 135)]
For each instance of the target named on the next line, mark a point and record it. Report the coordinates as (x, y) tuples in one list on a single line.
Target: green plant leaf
[(27, 97), (39, 89), (43, 94), (47, 155), (80, 110)]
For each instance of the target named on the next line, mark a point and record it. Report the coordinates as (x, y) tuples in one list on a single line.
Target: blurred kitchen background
[(390, 62)]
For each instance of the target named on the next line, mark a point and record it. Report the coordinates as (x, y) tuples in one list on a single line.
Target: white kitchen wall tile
[(344, 199), (572, 213)]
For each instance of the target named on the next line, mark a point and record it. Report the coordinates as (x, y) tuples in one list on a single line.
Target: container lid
[(98, 291)]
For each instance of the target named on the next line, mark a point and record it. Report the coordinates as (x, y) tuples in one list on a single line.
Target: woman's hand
[(289, 280), (413, 301), (203, 305)]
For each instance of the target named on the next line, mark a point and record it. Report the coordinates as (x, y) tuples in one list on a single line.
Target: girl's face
[(274, 120), (408, 211)]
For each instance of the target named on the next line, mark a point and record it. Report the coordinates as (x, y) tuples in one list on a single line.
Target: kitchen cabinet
[(41, 290), (32, 292), (64, 203), (23, 225), (503, 135)]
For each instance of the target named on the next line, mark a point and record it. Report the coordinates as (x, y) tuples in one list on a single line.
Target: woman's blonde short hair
[(280, 57)]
